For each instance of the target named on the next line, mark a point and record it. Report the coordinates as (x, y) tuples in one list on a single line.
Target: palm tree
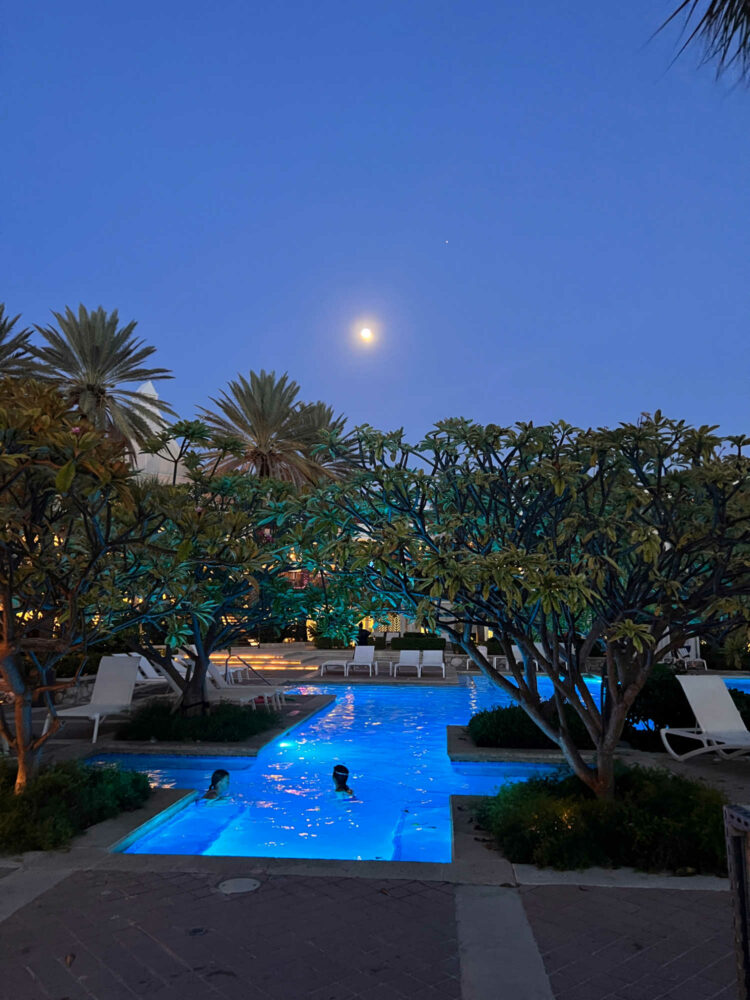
[(277, 436), (90, 360), (15, 357), (723, 28)]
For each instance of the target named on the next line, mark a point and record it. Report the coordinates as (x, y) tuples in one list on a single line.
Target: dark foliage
[(512, 727), (326, 642), (62, 801), (226, 723), (661, 703), (417, 640), (658, 822)]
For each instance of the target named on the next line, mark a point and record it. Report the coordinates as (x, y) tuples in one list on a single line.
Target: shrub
[(62, 801), (657, 822), (742, 701), (325, 642), (512, 727), (661, 702), (226, 723)]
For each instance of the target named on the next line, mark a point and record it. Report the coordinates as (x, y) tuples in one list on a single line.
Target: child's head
[(219, 780), (340, 777)]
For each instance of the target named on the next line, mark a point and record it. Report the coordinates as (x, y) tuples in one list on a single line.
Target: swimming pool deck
[(90, 924), (87, 924)]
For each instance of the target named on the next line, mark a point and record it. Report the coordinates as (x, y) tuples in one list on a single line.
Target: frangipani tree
[(222, 571), (73, 531), (560, 541)]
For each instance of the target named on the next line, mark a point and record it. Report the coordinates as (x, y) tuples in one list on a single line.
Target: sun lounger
[(111, 695), (720, 727), (217, 689), (364, 658), (433, 659), (409, 659), (148, 675)]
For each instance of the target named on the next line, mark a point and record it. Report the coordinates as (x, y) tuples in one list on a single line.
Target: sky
[(539, 213)]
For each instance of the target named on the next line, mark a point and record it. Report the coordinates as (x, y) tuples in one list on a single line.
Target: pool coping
[(461, 748), (250, 748), (475, 859)]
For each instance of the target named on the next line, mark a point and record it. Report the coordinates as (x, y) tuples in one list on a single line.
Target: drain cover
[(232, 885)]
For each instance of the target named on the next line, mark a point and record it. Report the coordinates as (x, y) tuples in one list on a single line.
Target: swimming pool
[(282, 803)]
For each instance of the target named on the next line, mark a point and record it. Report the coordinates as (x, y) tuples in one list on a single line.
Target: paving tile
[(172, 936), (638, 944)]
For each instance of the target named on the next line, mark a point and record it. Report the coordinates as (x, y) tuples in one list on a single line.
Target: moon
[(365, 333)]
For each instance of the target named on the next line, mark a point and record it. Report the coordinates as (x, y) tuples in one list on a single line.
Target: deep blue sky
[(248, 179)]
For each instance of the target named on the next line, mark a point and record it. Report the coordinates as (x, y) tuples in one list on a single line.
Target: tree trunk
[(26, 758), (194, 698), (605, 774)]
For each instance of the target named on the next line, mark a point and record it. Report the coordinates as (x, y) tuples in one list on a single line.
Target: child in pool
[(340, 779), (219, 784)]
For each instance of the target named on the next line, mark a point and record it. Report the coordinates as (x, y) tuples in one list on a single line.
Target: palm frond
[(279, 435), (90, 358), (15, 356), (722, 27)]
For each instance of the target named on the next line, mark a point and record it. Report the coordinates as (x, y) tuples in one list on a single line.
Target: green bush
[(657, 822), (418, 640), (325, 642), (661, 702), (226, 723), (512, 727), (62, 801)]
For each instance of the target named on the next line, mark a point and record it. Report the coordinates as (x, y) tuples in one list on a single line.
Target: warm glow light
[(366, 331)]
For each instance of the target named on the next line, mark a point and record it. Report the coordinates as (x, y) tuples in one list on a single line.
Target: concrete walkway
[(114, 934)]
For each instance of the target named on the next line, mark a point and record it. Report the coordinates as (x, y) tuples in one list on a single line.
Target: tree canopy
[(558, 540), (72, 531)]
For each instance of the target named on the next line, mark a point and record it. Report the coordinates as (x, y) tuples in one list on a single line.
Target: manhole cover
[(232, 885)]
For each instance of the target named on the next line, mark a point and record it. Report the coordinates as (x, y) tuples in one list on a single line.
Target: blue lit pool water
[(282, 803)]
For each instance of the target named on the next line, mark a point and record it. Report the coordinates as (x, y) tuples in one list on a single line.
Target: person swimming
[(219, 784), (340, 780)]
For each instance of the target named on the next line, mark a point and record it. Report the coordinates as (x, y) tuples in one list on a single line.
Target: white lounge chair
[(409, 659), (111, 695), (364, 656), (217, 689), (433, 659), (148, 675), (720, 727)]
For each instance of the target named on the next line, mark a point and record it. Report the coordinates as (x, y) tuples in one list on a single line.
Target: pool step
[(264, 662)]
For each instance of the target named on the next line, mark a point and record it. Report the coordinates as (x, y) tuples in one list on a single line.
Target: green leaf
[(65, 476), (183, 549)]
